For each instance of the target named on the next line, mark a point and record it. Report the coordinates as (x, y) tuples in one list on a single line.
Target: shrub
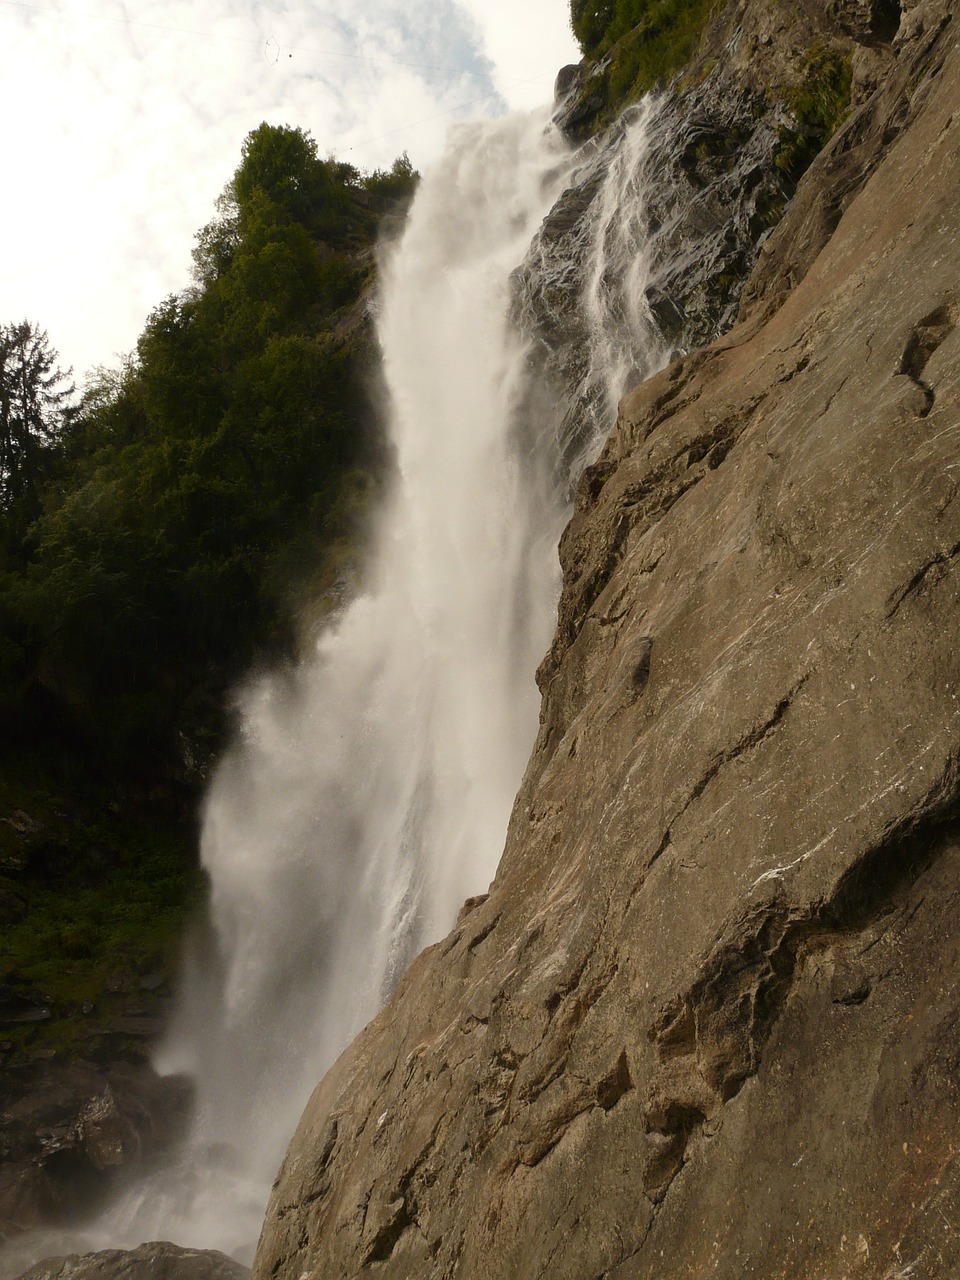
[(818, 105)]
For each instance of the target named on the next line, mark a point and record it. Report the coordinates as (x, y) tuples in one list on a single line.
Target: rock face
[(707, 1021), (73, 1132), (156, 1261)]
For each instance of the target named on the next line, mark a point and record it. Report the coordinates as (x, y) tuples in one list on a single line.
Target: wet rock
[(21, 823), (568, 81), (72, 1133), (18, 1006), (869, 21), (709, 184), (155, 1261), (119, 984)]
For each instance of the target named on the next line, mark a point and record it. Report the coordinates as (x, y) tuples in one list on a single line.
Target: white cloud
[(122, 125)]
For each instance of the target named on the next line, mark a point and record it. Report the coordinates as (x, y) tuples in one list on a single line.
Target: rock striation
[(707, 1019)]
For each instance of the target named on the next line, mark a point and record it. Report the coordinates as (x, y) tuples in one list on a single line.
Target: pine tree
[(36, 403)]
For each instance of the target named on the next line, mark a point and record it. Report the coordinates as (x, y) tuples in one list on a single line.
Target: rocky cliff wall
[(707, 1021)]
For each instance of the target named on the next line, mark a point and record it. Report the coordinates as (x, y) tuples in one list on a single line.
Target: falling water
[(369, 790), (585, 280)]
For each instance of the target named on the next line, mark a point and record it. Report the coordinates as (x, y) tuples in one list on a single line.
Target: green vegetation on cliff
[(634, 46), (646, 42), (818, 104)]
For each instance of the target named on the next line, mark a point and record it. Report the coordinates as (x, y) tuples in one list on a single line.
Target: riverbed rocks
[(71, 1133), (707, 1020), (158, 1260)]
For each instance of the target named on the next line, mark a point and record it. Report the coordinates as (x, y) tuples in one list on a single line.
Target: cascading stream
[(584, 282), (370, 788)]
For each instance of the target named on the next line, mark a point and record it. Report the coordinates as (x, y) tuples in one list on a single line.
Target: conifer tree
[(36, 402)]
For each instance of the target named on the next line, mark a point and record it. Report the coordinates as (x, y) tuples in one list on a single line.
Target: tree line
[(156, 530)]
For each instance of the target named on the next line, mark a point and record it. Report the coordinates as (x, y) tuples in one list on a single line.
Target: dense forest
[(164, 530)]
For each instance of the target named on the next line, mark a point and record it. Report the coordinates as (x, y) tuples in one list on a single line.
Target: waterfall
[(369, 789), (583, 285)]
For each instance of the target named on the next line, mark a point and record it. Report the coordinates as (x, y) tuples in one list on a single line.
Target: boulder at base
[(155, 1261)]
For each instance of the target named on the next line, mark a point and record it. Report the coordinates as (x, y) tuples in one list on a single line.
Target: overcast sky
[(123, 121)]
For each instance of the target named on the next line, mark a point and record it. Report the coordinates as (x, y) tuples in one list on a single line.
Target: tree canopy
[(201, 490), (36, 404)]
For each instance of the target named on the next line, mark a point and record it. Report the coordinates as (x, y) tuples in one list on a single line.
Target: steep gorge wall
[(707, 1020)]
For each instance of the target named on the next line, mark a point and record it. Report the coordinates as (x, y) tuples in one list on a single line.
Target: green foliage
[(91, 898), (671, 27), (653, 52), (215, 477), (648, 41), (590, 21), (818, 104), (36, 406), (397, 183)]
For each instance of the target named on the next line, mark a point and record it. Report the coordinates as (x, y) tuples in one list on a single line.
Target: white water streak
[(625, 345), (371, 788)]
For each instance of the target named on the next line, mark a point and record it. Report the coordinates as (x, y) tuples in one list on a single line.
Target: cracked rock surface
[(707, 1020)]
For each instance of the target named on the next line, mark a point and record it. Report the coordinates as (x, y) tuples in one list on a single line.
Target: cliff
[(707, 1019)]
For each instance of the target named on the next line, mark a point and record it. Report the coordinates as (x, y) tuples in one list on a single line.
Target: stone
[(18, 1006), (706, 1023), (158, 1260), (713, 189), (73, 1132)]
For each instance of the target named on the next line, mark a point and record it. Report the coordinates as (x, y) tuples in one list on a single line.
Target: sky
[(122, 122)]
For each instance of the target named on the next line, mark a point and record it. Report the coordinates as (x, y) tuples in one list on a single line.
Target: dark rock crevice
[(748, 742), (401, 1213), (923, 341)]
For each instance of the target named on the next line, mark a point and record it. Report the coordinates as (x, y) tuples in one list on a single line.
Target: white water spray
[(370, 790), (585, 283), (625, 344)]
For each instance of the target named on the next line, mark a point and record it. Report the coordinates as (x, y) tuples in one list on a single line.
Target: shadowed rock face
[(707, 1021), (71, 1134)]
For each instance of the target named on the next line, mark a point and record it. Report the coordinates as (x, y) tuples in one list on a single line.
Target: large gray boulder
[(72, 1133)]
